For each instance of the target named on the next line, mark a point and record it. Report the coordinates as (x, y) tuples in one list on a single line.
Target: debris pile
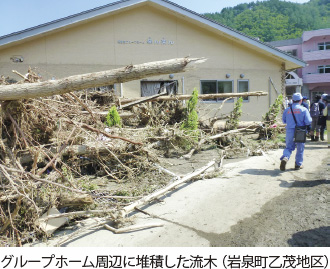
[(60, 162)]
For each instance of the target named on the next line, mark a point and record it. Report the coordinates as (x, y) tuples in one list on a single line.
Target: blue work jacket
[(302, 115)]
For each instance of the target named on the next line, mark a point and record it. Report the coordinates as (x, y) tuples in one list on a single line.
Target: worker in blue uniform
[(303, 118)]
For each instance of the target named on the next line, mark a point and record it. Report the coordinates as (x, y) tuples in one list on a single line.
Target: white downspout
[(183, 92)]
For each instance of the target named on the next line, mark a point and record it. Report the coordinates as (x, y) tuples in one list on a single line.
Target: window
[(216, 86), (323, 69), (150, 87), (324, 46), (243, 86), (292, 52)]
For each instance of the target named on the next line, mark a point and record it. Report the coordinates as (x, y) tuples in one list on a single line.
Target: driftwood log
[(200, 96), (97, 79), (145, 99), (73, 150), (126, 210), (202, 141), (132, 228)]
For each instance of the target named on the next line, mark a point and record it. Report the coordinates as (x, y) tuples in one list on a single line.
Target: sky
[(17, 15)]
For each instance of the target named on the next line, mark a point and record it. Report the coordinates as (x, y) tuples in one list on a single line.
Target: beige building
[(140, 31)]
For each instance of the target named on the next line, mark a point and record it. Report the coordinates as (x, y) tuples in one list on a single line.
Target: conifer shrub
[(113, 118), (234, 118), (191, 121), (269, 127), (270, 117)]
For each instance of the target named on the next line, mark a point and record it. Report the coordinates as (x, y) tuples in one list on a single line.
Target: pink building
[(313, 48)]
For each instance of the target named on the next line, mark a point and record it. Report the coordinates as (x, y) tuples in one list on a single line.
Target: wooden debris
[(49, 226), (145, 99), (69, 200), (202, 141), (12, 215), (57, 154), (42, 179), (99, 223), (166, 171), (161, 192), (132, 228), (82, 104), (200, 96), (85, 126)]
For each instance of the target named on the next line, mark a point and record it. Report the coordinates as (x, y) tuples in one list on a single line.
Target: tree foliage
[(273, 20)]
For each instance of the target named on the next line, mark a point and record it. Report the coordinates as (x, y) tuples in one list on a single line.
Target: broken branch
[(153, 196), (132, 228)]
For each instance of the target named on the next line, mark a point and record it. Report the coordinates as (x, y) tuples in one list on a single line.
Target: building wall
[(299, 55), (308, 50), (122, 39), (314, 81)]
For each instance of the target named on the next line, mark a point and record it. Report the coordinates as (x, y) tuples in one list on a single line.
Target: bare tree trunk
[(87, 149), (145, 99), (200, 96), (161, 192), (97, 79), (202, 141)]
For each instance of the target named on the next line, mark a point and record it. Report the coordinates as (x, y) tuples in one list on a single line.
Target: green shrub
[(233, 121), (191, 120), (269, 129), (113, 118), (270, 117)]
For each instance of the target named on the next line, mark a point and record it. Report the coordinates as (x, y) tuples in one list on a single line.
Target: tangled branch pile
[(57, 153)]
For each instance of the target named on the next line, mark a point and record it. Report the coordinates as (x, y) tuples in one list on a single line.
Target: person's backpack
[(315, 110)]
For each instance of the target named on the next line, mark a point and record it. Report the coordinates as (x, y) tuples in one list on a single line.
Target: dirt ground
[(299, 217), (250, 203)]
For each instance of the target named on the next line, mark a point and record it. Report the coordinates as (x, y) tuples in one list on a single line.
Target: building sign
[(149, 41), (293, 82)]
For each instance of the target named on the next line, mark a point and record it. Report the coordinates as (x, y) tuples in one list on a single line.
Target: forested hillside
[(273, 20)]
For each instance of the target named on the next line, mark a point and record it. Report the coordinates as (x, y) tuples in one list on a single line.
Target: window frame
[(216, 100), (323, 67), (248, 88), (323, 45)]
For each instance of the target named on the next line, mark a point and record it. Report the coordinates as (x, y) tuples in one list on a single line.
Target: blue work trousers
[(291, 145)]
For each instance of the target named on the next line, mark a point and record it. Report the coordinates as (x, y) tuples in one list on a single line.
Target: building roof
[(175, 9), (287, 42)]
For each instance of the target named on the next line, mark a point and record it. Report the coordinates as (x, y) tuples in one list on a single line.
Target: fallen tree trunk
[(201, 96), (97, 79), (73, 150), (202, 141), (161, 192), (145, 99)]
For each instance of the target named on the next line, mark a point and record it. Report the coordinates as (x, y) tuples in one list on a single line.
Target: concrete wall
[(122, 39)]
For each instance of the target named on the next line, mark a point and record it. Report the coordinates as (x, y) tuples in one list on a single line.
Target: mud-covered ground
[(299, 217)]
